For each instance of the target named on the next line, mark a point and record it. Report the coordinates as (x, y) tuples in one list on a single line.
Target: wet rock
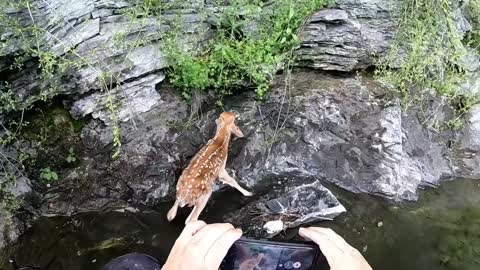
[(14, 186), (10, 229), (293, 203), (471, 138), (467, 161)]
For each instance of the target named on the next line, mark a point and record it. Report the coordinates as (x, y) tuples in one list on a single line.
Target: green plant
[(9, 203), (426, 56), (237, 57), (432, 49), (71, 158), (473, 40), (47, 175)]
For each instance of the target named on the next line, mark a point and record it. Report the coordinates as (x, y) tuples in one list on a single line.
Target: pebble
[(273, 226)]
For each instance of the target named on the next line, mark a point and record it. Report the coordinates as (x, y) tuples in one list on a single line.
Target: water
[(440, 231)]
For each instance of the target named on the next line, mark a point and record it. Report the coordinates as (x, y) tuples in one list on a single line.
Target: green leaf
[(295, 37), (54, 176), (291, 12)]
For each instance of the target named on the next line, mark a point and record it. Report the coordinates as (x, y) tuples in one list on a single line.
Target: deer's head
[(227, 119)]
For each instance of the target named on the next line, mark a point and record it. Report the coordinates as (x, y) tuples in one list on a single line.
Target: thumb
[(326, 245)]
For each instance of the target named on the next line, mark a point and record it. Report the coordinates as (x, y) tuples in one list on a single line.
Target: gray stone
[(302, 201), (349, 36), (10, 226), (344, 130), (466, 152), (10, 230), (110, 46), (339, 130), (471, 138), (129, 100), (75, 36), (355, 33)]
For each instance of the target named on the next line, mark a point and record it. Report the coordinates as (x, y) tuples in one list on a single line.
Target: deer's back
[(197, 179)]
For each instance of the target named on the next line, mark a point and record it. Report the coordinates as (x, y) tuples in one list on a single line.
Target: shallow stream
[(440, 231)]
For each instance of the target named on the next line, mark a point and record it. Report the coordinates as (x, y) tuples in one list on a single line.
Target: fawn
[(194, 186)]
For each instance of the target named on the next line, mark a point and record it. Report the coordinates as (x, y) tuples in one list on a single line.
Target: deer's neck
[(222, 137)]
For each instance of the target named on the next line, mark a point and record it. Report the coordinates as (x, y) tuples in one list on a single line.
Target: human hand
[(201, 246), (339, 254)]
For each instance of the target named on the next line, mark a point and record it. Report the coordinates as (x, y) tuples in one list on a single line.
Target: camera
[(250, 254)]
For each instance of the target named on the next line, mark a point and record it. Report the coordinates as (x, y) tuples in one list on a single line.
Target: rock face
[(337, 129), (341, 129), (346, 130), (348, 36), (354, 33), (119, 49)]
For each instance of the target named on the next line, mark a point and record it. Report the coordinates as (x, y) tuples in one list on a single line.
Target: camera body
[(250, 254)]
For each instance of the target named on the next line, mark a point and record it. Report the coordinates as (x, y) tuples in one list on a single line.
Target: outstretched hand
[(339, 254), (201, 246)]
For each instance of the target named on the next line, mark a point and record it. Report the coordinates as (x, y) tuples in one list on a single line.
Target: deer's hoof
[(248, 194)]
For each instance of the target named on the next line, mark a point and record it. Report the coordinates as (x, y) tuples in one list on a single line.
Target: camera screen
[(260, 256)]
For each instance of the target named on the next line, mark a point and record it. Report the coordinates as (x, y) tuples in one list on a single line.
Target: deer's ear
[(219, 123), (235, 130)]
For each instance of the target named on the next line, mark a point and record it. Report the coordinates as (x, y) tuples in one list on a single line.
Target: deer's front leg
[(227, 179), (199, 206), (173, 211)]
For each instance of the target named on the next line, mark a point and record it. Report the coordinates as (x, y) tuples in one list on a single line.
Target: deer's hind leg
[(227, 179), (199, 206)]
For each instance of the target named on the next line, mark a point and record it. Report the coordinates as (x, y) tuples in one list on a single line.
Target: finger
[(208, 234), (339, 241), (220, 247), (326, 245), (189, 231)]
